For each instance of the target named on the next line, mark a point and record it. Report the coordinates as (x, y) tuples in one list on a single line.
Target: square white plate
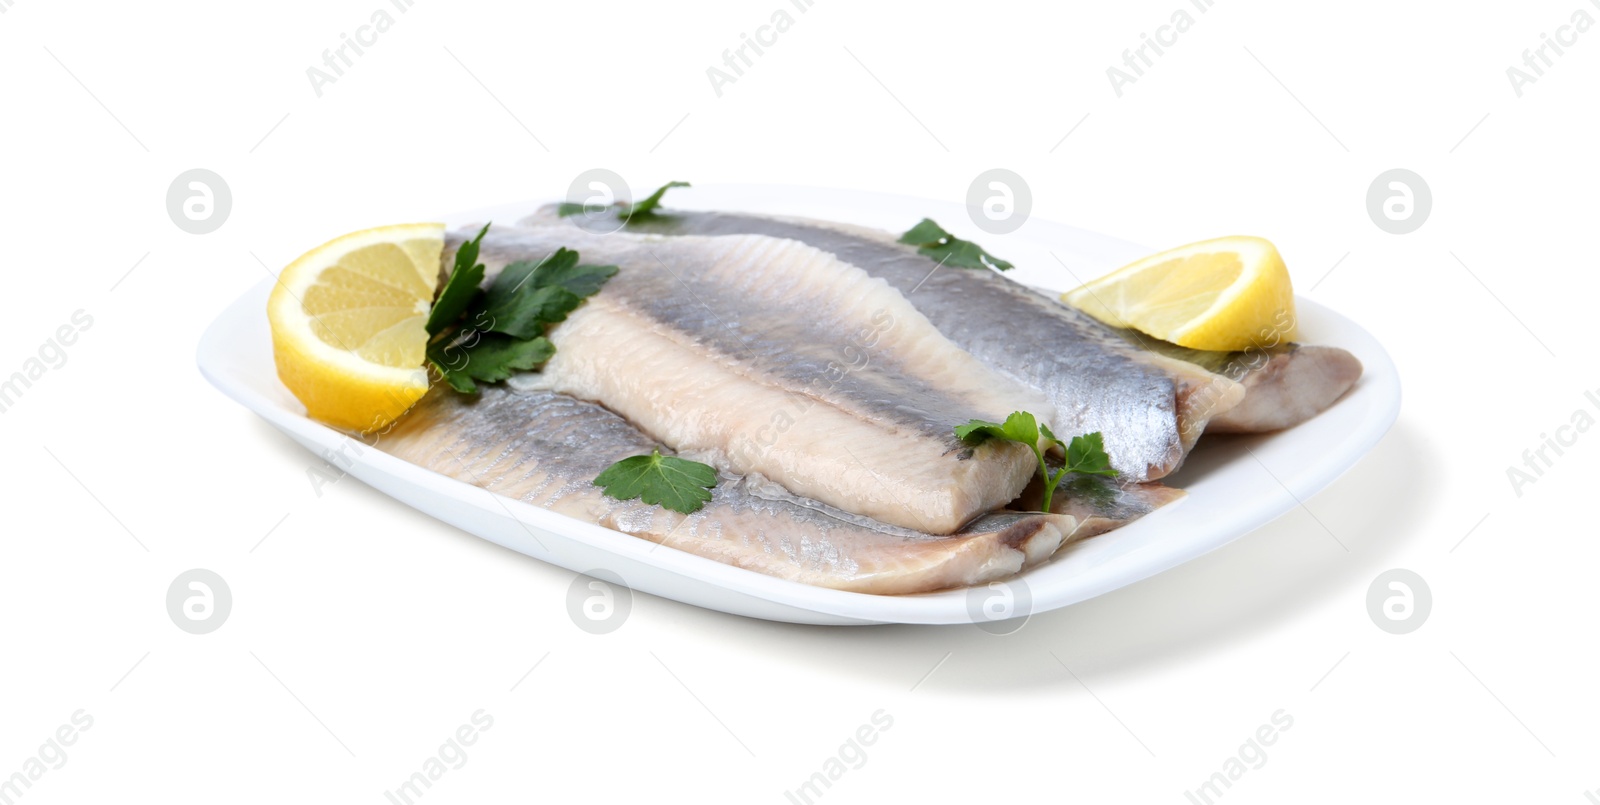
[(1235, 485)]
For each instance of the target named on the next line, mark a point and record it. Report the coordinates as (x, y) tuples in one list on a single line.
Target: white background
[(363, 634)]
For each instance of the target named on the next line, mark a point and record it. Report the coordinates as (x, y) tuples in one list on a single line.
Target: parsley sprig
[(1086, 455), (625, 211), (648, 205), (667, 481), (933, 242), (479, 335), (465, 277)]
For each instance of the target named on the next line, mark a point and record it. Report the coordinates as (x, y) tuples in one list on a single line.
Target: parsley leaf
[(560, 269), (650, 203), (667, 481), (926, 231), (496, 357), (583, 280), (1086, 454), (646, 206), (460, 288), (521, 273), (526, 314), (486, 335), (963, 254), (487, 357), (527, 296), (450, 361), (568, 208), (517, 304), (933, 242), (1019, 427)]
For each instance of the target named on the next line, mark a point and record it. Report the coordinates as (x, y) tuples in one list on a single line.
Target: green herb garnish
[(934, 243), (568, 208), (1086, 455), (667, 481), (521, 301), (488, 335), (562, 270), (651, 202), (646, 206), (459, 289), (486, 357)]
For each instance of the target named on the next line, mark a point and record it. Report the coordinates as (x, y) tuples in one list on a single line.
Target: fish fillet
[(1149, 408), (1284, 385), (546, 448), (768, 357)]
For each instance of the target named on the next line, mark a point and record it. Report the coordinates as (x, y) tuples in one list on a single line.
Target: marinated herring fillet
[(1150, 409), (1285, 384), (768, 357), (546, 448)]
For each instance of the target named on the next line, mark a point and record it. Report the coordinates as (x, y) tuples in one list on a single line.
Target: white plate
[(1231, 492)]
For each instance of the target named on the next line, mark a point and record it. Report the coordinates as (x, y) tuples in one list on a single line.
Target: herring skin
[(765, 356), (1150, 408), (1284, 384)]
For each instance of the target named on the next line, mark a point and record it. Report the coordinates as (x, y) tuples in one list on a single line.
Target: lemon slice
[(349, 324), (1226, 294)]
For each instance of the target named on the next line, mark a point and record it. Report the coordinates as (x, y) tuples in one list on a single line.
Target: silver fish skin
[(546, 448), (1284, 384), (1149, 409), (769, 357)]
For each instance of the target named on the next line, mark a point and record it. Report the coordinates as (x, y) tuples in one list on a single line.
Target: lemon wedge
[(1226, 294), (349, 324)]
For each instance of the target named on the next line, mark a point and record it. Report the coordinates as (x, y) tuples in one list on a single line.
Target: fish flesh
[(1294, 383), (1285, 384), (821, 368), (768, 357), (774, 358), (1149, 408), (546, 448)]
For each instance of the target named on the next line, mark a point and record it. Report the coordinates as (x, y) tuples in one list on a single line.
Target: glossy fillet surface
[(1149, 408), (765, 356)]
